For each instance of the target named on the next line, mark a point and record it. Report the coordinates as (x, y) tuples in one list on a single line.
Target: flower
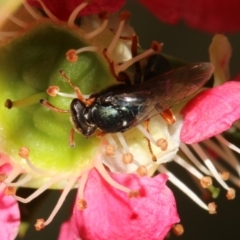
[(10, 216), (209, 16), (61, 61), (117, 212)]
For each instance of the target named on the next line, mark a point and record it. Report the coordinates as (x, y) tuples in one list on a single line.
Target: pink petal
[(211, 112), (9, 212), (63, 8), (211, 16), (111, 214)]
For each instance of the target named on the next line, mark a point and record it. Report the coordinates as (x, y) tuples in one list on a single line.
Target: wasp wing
[(163, 91)]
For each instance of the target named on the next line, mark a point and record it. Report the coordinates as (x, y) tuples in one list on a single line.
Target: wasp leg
[(87, 102), (168, 116), (53, 108), (146, 124), (71, 138), (100, 133)]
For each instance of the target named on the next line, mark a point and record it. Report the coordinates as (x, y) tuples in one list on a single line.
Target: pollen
[(53, 91), (162, 143), (24, 152), (72, 56), (40, 224), (81, 204), (127, 158), (133, 194), (110, 150), (231, 194), (224, 175), (206, 182), (10, 191), (142, 171), (3, 176), (212, 208), (178, 229)]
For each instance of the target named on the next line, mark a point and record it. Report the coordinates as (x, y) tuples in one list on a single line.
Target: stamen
[(61, 200), (183, 163), (122, 142), (48, 13), (228, 155), (231, 193), (178, 229), (206, 182), (142, 171), (209, 164), (31, 11), (227, 143), (24, 153), (71, 55), (162, 143), (123, 17), (168, 116), (24, 102), (40, 190), (183, 187), (155, 48), (18, 21), (21, 182), (146, 134), (104, 17), (232, 178), (194, 160), (111, 140), (81, 203), (99, 166), (75, 12)]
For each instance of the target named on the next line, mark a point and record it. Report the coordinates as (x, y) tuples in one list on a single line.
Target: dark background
[(191, 45)]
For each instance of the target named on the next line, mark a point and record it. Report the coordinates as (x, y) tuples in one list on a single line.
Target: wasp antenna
[(45, 103), (71, 138)]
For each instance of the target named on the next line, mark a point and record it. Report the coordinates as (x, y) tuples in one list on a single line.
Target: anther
[(10, 191), (125, 15), (24, 152), (162, 143), (142, 171), (40, 224), (206, 182), (3, 176), (71, 56), (231, 193), (212, 208), (133, 193), (110, 150), (127, 158), (224, 175), (178, 229), (81, 204), (52, 91)]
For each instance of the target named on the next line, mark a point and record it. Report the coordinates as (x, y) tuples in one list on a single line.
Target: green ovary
[(29, 64)]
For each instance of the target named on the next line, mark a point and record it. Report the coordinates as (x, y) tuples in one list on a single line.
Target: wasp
[(122, 107)]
